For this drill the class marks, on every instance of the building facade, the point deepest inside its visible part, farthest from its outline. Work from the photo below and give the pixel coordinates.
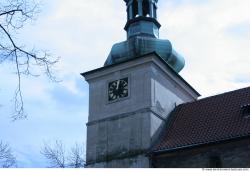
(142, 113)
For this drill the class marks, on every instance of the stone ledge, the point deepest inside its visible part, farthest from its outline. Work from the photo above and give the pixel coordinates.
(124, 115)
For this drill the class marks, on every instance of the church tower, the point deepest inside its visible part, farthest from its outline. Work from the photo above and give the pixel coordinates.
(132, 95)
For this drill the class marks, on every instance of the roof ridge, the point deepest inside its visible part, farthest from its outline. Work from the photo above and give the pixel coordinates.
(213, 96)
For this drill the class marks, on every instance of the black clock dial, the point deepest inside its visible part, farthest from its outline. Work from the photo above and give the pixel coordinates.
(118, 89)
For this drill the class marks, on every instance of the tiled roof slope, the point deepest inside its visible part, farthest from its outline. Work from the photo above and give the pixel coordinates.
(207, 120)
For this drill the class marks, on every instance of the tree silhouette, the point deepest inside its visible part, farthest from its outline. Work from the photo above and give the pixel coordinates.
(58, 158)
(14, 14)
(7, 159)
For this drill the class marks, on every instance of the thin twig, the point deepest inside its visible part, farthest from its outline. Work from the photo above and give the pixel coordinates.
(17, 54)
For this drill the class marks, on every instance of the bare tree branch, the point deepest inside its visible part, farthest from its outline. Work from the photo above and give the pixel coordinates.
(55, 155)
(7, 159)
(59, 159)
(11, 12)
(76, 158)
(13, 15)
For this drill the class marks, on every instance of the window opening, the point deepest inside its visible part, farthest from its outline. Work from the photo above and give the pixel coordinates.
(145, 6)
(135, 9)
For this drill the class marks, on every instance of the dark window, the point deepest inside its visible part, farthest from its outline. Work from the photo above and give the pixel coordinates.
(145, 6)
(135, 8)
(246, 110)
(215, 162)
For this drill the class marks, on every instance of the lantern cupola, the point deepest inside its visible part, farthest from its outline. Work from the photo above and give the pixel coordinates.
(142, 30)
(142, 18)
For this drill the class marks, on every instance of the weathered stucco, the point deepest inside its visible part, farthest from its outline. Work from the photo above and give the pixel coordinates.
(119, 134)
(231, 154)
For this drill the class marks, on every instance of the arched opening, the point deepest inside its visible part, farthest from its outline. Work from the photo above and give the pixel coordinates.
(145, 8)
(135, 8)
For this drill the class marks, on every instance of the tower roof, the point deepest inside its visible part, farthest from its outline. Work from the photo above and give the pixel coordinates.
(142, 30)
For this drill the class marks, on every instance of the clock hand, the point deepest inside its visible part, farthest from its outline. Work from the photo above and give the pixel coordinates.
(117, 86)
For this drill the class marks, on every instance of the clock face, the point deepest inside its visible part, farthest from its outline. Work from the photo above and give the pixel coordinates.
(118, 89)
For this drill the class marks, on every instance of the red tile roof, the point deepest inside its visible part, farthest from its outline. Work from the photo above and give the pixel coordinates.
(207, 120)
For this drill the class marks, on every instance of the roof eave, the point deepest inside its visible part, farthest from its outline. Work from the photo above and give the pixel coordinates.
(151, 53)
(169, 150)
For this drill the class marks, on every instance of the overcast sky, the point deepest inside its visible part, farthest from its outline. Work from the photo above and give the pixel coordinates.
(212, 35)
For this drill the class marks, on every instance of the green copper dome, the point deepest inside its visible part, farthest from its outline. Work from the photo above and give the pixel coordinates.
(143, 37)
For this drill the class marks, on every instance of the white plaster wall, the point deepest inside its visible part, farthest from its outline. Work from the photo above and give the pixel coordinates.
(139, 97)
(131, 125)
(118, 137)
